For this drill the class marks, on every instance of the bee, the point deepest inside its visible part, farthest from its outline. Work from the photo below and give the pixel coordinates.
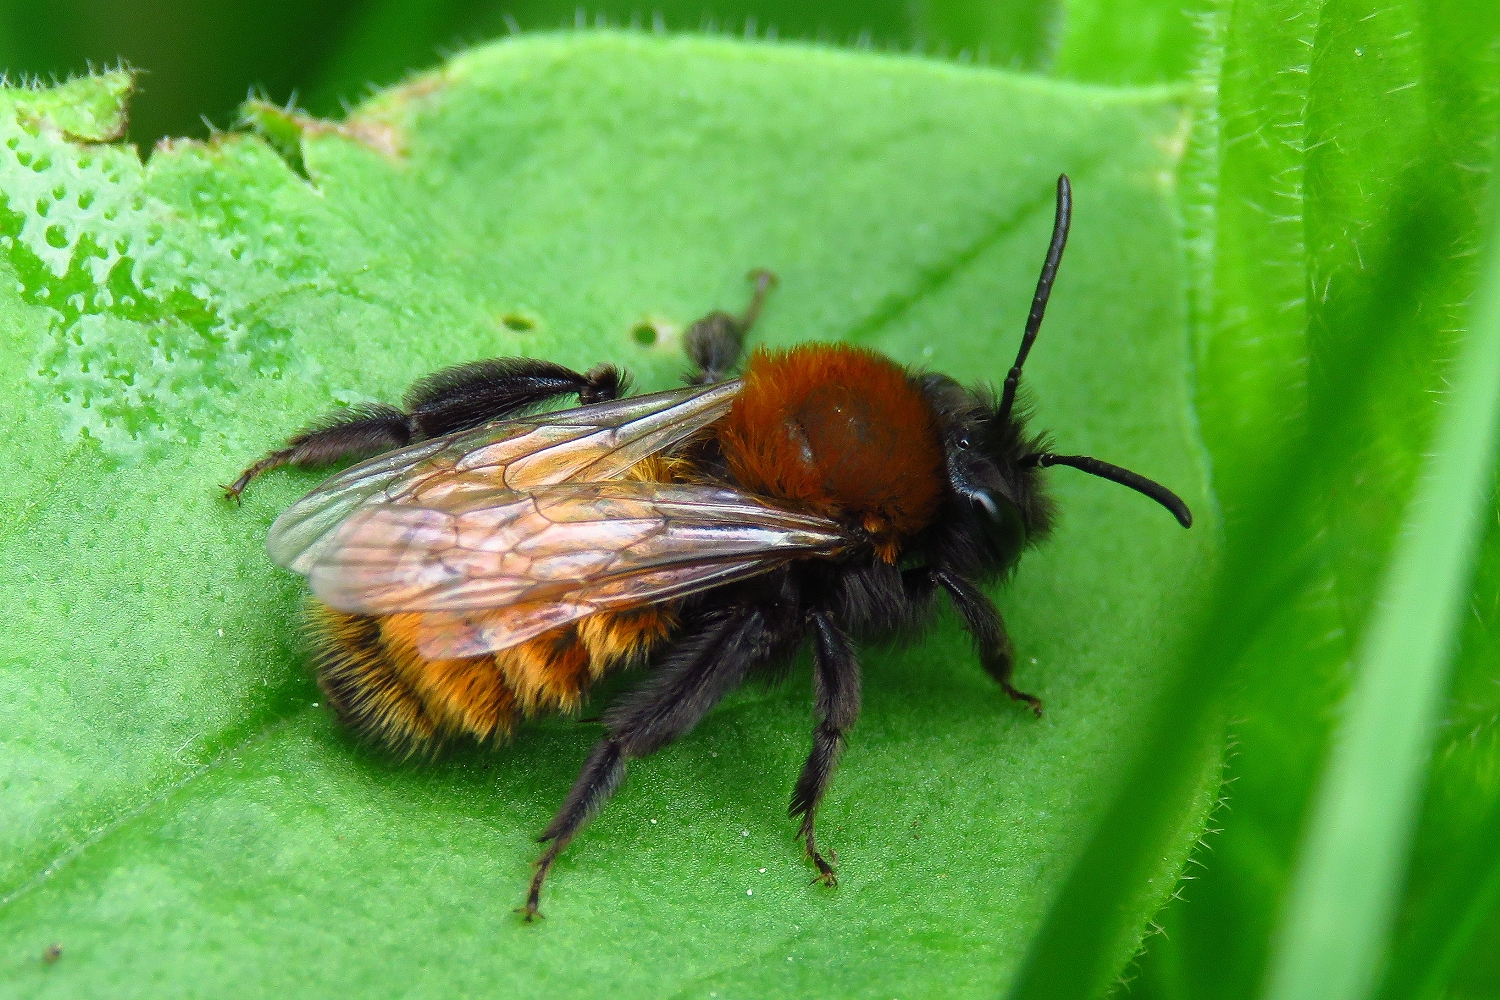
(490, 563)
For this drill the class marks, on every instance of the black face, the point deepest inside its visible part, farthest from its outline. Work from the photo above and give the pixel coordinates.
(997, 504)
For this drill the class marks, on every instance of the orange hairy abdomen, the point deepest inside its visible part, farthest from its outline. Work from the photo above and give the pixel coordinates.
(373, 675)
(842, 431)
(371, 670)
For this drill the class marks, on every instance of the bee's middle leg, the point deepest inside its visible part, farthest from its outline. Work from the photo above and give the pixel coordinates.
(996, 653)
(836, 694)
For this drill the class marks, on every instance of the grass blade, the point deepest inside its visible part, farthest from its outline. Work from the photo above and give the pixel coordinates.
(1349, 874)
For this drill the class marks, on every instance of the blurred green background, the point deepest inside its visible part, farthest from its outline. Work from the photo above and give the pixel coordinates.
(202, 58)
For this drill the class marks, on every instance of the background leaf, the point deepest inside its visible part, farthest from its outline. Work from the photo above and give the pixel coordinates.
(1130, 41)
(203, 55)
(170, 776)
(1341, 910)
(1354, 146)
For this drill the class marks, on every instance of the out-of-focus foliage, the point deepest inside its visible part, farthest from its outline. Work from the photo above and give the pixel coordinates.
(198, 57)
(201, 56)
(1347, 156)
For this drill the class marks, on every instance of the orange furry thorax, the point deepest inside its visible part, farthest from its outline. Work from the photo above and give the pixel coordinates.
(842, 431)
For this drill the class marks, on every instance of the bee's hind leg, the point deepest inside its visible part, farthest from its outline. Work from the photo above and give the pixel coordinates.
(714, 342)
(454, 399)
(836, 693)
(468, 395)
(700, 670)
(360, 432)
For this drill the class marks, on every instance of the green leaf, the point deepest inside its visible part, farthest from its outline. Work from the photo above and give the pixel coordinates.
(178, 807)
(1346, 887)
(1354, 144)
(391, 37)
(1130, 41)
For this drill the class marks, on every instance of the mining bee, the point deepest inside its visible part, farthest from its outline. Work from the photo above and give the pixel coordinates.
(491, 563)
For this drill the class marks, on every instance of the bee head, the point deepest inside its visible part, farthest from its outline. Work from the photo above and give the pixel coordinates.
(997, 502)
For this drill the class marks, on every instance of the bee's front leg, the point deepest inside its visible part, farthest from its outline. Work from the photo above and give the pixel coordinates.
(996, 653)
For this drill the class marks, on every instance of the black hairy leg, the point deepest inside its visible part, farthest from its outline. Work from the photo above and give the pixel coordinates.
(996, 654)
(836, 699)
(450, 400)
(465, 396)
(363, 431)
(698, 671)
(714, 342)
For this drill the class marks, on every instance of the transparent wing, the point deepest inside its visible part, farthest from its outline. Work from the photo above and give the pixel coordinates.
(587, 444)
(452, 634)
(492, 567)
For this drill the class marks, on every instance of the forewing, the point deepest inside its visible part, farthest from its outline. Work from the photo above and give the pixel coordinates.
(451, 634)
(492, 567)
(476, 547)
(586, 444)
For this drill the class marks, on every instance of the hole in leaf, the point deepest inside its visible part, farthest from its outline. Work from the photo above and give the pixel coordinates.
(654, 331)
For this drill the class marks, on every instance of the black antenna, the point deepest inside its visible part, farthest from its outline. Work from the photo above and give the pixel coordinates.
(1043, 290)
(1147, 487)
